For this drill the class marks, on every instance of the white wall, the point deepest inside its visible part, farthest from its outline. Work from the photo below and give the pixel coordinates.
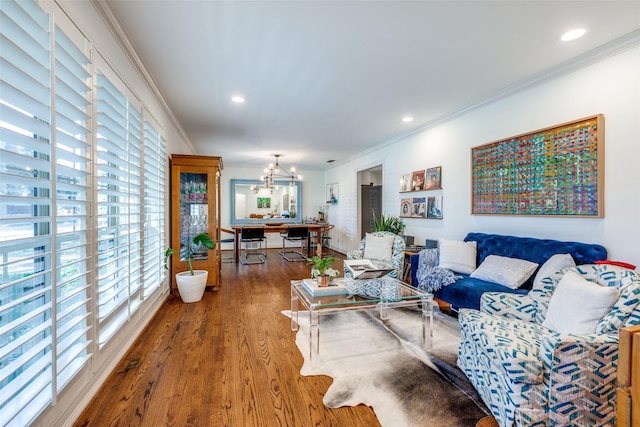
(610, 87)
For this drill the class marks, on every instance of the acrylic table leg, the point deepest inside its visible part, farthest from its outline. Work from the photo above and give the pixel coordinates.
(294, 310)
(427, 324)
(314, 333)
(384, 310)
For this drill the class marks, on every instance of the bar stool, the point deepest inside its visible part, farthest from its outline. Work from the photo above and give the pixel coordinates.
(251, 238)
(294, 234)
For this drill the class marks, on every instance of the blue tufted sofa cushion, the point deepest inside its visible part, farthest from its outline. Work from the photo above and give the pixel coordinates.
(466, 292)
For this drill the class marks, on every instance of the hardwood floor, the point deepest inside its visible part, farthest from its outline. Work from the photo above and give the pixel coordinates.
(228, 360)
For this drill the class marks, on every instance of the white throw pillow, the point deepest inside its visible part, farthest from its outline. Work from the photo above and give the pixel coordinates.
(577, 305)
(378, 247)
(555, 263)
(505, 271)
(457, 256)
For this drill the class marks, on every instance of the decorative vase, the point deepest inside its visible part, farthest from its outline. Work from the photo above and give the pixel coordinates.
(323, 281)
(191, 287)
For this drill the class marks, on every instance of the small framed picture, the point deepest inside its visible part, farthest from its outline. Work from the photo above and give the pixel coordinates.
(434, 207)
(433, 178)
(406, 206)
(417, 181)
(332, 193)
(418, 207)
(405, 183)
(264, 202)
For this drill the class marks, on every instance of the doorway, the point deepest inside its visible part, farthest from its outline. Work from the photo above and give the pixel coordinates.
(369, 198)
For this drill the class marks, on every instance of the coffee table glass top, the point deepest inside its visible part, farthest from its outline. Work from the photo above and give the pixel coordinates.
(362, 293)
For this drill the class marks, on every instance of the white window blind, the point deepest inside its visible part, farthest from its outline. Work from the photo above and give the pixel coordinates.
(65, 177)
(112, 158)
(72, 232)
(154, 208)
(26, 324)
(135, 208)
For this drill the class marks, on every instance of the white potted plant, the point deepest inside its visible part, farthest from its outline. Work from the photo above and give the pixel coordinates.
(321, 269)
(192, 283)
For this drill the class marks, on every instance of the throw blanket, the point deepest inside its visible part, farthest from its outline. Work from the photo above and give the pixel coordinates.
(431, 277)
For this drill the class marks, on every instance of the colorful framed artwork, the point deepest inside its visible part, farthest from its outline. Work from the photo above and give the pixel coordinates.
(434, 207)
(433, 178)
(332, 193)
(264, 202)
(417, 181)
(555, 171)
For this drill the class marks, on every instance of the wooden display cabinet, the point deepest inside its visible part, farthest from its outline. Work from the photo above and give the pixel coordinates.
(195, 209)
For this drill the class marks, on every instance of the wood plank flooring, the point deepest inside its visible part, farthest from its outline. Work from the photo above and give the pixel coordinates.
(228, 360)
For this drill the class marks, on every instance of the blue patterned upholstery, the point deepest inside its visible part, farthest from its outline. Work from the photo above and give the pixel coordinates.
(529, 375)
(397, 256)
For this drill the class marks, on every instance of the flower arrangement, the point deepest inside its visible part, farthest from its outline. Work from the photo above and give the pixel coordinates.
(322, 266)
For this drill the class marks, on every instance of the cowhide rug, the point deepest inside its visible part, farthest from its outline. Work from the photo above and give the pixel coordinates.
(380, 364)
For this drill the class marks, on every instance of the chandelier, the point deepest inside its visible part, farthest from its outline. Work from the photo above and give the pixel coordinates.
(273, 172)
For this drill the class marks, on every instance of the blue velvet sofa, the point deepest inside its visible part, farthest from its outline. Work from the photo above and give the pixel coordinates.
(466, 292)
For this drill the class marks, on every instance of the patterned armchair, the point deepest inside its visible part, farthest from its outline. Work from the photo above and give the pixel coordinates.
(529, 375)
(397, 255)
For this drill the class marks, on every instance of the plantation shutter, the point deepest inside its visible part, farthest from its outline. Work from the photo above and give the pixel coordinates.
(112, 141)
(73, 196)
(26, 323)
(154, 208)
(135, 209)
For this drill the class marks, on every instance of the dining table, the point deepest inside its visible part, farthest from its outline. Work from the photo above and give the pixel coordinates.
(270, 227)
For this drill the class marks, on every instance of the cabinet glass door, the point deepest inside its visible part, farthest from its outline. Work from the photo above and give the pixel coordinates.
(194, 209)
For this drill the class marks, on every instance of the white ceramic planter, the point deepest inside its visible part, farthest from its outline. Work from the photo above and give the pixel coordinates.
(192, 288)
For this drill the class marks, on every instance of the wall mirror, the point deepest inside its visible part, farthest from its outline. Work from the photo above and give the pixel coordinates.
(251, 203)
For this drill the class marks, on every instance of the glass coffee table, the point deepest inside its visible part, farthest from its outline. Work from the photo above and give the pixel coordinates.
(382, 294)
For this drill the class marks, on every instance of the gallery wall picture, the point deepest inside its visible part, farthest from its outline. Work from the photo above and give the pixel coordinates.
(405, 183)
(434, 207)
(332, 193)
(406, 207)
(555, 171)
(417, 181)
(433, 178)
(418, 207)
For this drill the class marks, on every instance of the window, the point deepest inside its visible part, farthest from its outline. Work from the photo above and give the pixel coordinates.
(81, 236)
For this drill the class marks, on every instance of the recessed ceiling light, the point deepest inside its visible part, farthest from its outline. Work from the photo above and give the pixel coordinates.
(573, 34)
(407, 119)
(238, 99)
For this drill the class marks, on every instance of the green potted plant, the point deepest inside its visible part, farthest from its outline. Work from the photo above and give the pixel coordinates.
(321, 269)
(192, 283)
(389, 223)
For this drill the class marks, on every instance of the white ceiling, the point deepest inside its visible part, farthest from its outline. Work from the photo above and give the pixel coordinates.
(328, 79)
